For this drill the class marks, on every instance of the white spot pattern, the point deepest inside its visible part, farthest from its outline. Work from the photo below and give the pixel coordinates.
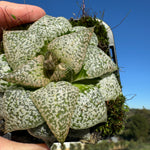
(56, 103)
(90, 109)
(109, 87)
(19, 111)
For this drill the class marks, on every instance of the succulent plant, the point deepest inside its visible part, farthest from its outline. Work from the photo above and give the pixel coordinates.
(54, 78)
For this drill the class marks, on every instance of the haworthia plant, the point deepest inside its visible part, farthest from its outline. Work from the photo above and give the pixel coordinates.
(94, 39)
(109, 87)
(48, 27)
(19, 111)
(55, 78)
(1, 105)
(21, 46)
(71, 49)
(90, 109)
(43, 132)
(96, 64)
(56, 103)
(4, 70)
(30, 74)
(62, 71)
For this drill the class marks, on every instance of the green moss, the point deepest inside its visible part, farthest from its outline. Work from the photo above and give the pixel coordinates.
(116, 111)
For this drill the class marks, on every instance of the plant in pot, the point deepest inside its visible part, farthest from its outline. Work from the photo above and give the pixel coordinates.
(56, 83)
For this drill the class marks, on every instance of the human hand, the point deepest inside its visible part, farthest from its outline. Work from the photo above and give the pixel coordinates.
(10, 145)
(11, 15)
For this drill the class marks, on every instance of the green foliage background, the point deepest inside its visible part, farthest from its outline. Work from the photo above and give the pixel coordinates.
(138, 125)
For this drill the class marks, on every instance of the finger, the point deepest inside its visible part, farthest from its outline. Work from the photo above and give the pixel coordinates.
(13, 14)
(10, 145)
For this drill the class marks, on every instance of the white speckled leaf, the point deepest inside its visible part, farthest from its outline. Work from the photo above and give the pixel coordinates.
(90, 109)
(94, 39)
(49, 27)
(71, 48)
(96, 64)
(21, 46)
(56, 104)
(30, 74)
(1, 106)
(19, 111)
(4, 70)
(43, 132)
(109, 87)
(4, 67)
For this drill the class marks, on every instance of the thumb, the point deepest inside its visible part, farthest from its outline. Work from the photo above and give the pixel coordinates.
(12, 14)
(10, 145)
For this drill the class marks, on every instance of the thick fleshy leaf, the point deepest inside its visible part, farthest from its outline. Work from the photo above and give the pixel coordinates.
(30, 74)
(43, 132)
(19, 111)
(1, 106)
(21, 46)
(96, 64)
(90, 109)
(109, 87)
(4, 70)
(94, 39)
(56, 104)
(4, 67)
(71, 48)
(49, 27)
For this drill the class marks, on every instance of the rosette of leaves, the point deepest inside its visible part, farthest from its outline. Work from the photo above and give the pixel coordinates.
(56, 79)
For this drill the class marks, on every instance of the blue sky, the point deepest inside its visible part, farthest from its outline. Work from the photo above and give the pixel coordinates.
(132, 39)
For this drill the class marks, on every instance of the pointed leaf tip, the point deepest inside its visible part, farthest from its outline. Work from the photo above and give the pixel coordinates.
(56, 104)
